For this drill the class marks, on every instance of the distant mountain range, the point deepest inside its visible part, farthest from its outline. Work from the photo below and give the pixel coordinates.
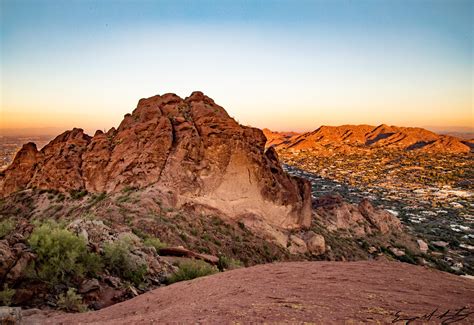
(354, 138)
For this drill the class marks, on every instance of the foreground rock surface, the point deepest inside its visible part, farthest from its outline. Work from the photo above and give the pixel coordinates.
(318, 292)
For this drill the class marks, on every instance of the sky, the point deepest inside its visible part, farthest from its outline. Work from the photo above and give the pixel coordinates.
(285, 65)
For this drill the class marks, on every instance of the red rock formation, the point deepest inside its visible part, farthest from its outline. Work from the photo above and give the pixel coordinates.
(362, 219)
(351, 138)
(277, 138)
(188, 146)
(18, 175)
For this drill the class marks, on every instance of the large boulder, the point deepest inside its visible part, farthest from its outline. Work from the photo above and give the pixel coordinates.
(316, 243)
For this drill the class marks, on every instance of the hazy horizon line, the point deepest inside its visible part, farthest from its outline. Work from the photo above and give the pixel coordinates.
(53, 130)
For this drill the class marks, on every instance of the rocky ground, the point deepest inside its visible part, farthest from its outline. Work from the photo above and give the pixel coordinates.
(137, 232)
(298, 292)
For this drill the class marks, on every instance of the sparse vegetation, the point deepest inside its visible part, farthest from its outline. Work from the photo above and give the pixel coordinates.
(6, 226)
(154, 242)
(6, 296)
(228, 263)
(61, 255)
(129, 189)
(190, 270)
(78, 194)
(119, 260)
(71, 301)
(96, 198)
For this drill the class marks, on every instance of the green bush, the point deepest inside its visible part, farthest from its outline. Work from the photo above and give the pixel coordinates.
(129, 189)
(227, 263)
(190, 270)
(6, 227)
(61, 255)
(78, 194)
(118, 259)
(71, 301)
(6, 296)
(154, 242)
(96, 198)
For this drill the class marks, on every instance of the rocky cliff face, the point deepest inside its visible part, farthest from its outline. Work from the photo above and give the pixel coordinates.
(190, 147)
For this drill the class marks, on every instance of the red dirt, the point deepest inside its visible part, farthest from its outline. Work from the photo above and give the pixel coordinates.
(320, 292)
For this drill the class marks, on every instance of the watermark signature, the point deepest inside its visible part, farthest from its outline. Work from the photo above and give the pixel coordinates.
(449, 316)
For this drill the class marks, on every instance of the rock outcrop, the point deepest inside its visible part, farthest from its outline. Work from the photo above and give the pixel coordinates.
(190, 147)
(362, 219)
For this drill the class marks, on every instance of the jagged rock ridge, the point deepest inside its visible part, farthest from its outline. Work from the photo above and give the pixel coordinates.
(189, 146)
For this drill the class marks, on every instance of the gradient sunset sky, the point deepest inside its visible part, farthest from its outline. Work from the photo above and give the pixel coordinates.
(286, 65)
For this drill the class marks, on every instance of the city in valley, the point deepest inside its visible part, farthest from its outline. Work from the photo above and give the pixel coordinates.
(432, 193)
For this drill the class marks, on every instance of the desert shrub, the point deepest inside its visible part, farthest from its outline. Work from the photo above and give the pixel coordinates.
(93, 264)
(6, 227)
(61, 255)
(154, 242)
(129, 189)
(407, 258)
(71, 301)
(6, 296)
(118, 259)
(96, 198)
(183, 237)
(78, 194)
(190, 270)
(228, 263)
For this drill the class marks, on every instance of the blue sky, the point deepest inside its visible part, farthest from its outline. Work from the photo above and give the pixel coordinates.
(279, 64)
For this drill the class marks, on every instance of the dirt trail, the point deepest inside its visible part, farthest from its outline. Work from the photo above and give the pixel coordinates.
(318, 292)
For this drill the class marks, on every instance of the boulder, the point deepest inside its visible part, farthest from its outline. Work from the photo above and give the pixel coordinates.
(422, 245)
(13, 260)
(397, 252)
(297, 245)
(316, 243)
(89, 285)
(440, 244)
(10, 315)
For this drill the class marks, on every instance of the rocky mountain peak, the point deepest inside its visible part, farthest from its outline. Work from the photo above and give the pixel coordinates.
(190, 147)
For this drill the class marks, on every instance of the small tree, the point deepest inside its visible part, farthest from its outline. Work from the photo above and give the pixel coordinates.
(61, 255)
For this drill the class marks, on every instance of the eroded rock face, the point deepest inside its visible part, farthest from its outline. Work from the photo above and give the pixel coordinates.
(190, 146)
(361, 219)
(14, 253)
(19, 174)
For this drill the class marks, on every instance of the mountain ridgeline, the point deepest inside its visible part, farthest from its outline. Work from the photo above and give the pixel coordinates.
(349, 139)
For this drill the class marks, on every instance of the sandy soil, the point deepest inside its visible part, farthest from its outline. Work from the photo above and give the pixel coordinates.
(316, 292)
